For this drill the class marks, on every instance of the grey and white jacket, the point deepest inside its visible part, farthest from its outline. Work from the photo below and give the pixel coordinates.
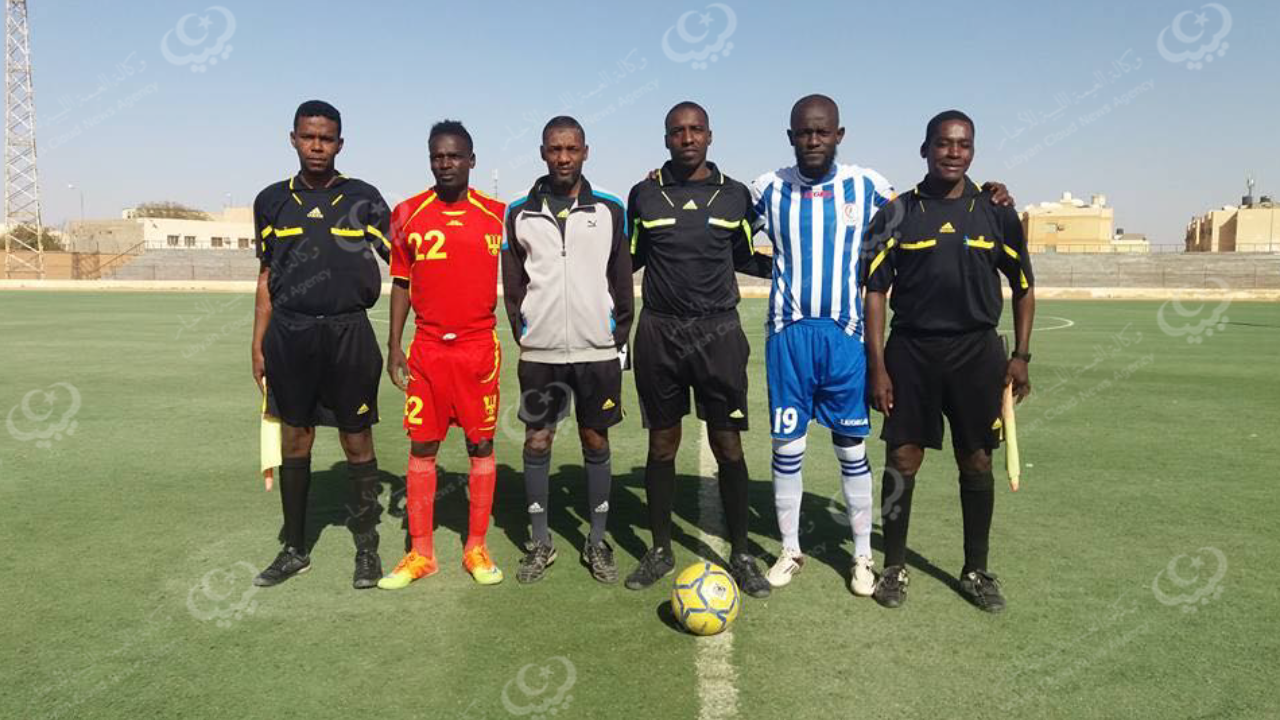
(568, 294)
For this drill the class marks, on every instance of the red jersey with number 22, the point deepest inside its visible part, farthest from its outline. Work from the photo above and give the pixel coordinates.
(449, 254)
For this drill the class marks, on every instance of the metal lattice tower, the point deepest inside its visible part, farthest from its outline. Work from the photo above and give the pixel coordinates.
(23, 230)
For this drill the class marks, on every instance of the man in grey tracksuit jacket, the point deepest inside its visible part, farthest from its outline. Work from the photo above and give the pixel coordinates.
(566, 274)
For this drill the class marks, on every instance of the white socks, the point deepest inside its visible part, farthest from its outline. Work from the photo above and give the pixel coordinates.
(788, 488)
(855, 480)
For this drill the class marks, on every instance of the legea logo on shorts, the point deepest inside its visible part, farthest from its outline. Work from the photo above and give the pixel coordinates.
(856, 422)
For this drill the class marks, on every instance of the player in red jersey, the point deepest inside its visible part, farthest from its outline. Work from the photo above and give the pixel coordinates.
(444, 262)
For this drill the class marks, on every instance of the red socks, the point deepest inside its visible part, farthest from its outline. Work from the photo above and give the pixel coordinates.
(420, 499)
(483, 477)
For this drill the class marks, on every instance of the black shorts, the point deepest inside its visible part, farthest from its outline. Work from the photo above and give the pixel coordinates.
(322, 371)
(545, 390)
(708, 355)
(959, 376)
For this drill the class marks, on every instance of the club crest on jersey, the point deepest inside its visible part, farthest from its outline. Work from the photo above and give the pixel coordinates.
(850, 212)
(494, 241)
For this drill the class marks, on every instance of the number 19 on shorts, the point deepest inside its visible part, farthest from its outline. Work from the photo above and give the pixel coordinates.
(784, 420)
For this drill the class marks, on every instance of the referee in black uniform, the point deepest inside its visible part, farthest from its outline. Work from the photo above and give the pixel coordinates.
(690, 231)
(312, 341)
(940, 247)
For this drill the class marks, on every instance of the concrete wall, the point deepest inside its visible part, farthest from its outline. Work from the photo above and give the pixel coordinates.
(197, 265)
(1191, 270)
(71, 265)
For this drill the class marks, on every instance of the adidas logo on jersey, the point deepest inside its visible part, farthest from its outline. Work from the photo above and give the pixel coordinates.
(563, 213)
(691, 205)
(364, 408)
(602, 507)
(535, 509)
(737, 415)
(315, 213)
(609, 404)
(946, 228)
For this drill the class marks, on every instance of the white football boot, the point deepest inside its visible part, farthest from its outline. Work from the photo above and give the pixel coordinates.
(789, 563)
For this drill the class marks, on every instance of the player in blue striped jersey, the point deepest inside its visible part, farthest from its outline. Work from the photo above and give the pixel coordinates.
(814, 213)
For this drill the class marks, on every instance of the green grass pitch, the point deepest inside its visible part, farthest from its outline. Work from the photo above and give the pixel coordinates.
(1139, 558)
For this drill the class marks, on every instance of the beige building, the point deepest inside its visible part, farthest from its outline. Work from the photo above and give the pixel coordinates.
(232, 228)
(1252, 227)
(1071, 225)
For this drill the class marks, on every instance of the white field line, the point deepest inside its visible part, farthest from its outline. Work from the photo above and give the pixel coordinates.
(717, 679)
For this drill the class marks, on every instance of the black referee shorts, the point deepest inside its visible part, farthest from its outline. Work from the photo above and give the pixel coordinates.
(322, 370)
(957, 376)
(547, 388)
(708, 355)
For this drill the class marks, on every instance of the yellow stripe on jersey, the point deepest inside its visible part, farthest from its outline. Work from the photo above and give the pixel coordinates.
(266, 232)
(660, 222)
(288, 232)
(720, 222)
(337, 199)
(979, 243)
(378, 234)
(421, 207)
(921, 245)
(484, 209)
(347, 232)
(881, 255)
(635, 235)
(746, 230)
(1011, 253)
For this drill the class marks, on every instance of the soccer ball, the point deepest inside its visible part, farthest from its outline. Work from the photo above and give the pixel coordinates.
(705, 599)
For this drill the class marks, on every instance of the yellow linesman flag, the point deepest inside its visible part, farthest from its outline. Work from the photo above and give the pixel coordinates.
(270, 443)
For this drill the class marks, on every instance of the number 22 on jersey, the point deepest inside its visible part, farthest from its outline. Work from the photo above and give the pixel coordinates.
(435, 239)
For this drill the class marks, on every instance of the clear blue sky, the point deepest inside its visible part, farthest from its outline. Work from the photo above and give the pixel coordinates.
(1074, 97)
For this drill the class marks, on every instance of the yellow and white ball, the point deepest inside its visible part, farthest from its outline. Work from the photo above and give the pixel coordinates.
(705, 599)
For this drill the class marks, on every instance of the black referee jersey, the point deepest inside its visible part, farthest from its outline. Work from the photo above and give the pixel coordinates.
(941, 257)
(317, 244)
(691, 236)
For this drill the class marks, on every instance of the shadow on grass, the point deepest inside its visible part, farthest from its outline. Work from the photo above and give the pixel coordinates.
(329, 502)
(667, 616)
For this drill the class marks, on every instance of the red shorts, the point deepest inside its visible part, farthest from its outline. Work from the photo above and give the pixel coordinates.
(453, 383)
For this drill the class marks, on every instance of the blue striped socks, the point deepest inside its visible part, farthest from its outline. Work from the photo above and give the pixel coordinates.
(855, 480)
(788, 489)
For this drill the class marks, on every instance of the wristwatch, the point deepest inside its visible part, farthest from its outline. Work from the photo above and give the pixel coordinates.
(1024, 357)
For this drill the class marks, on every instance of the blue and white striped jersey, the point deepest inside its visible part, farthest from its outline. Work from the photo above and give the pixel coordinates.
(816, 229)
